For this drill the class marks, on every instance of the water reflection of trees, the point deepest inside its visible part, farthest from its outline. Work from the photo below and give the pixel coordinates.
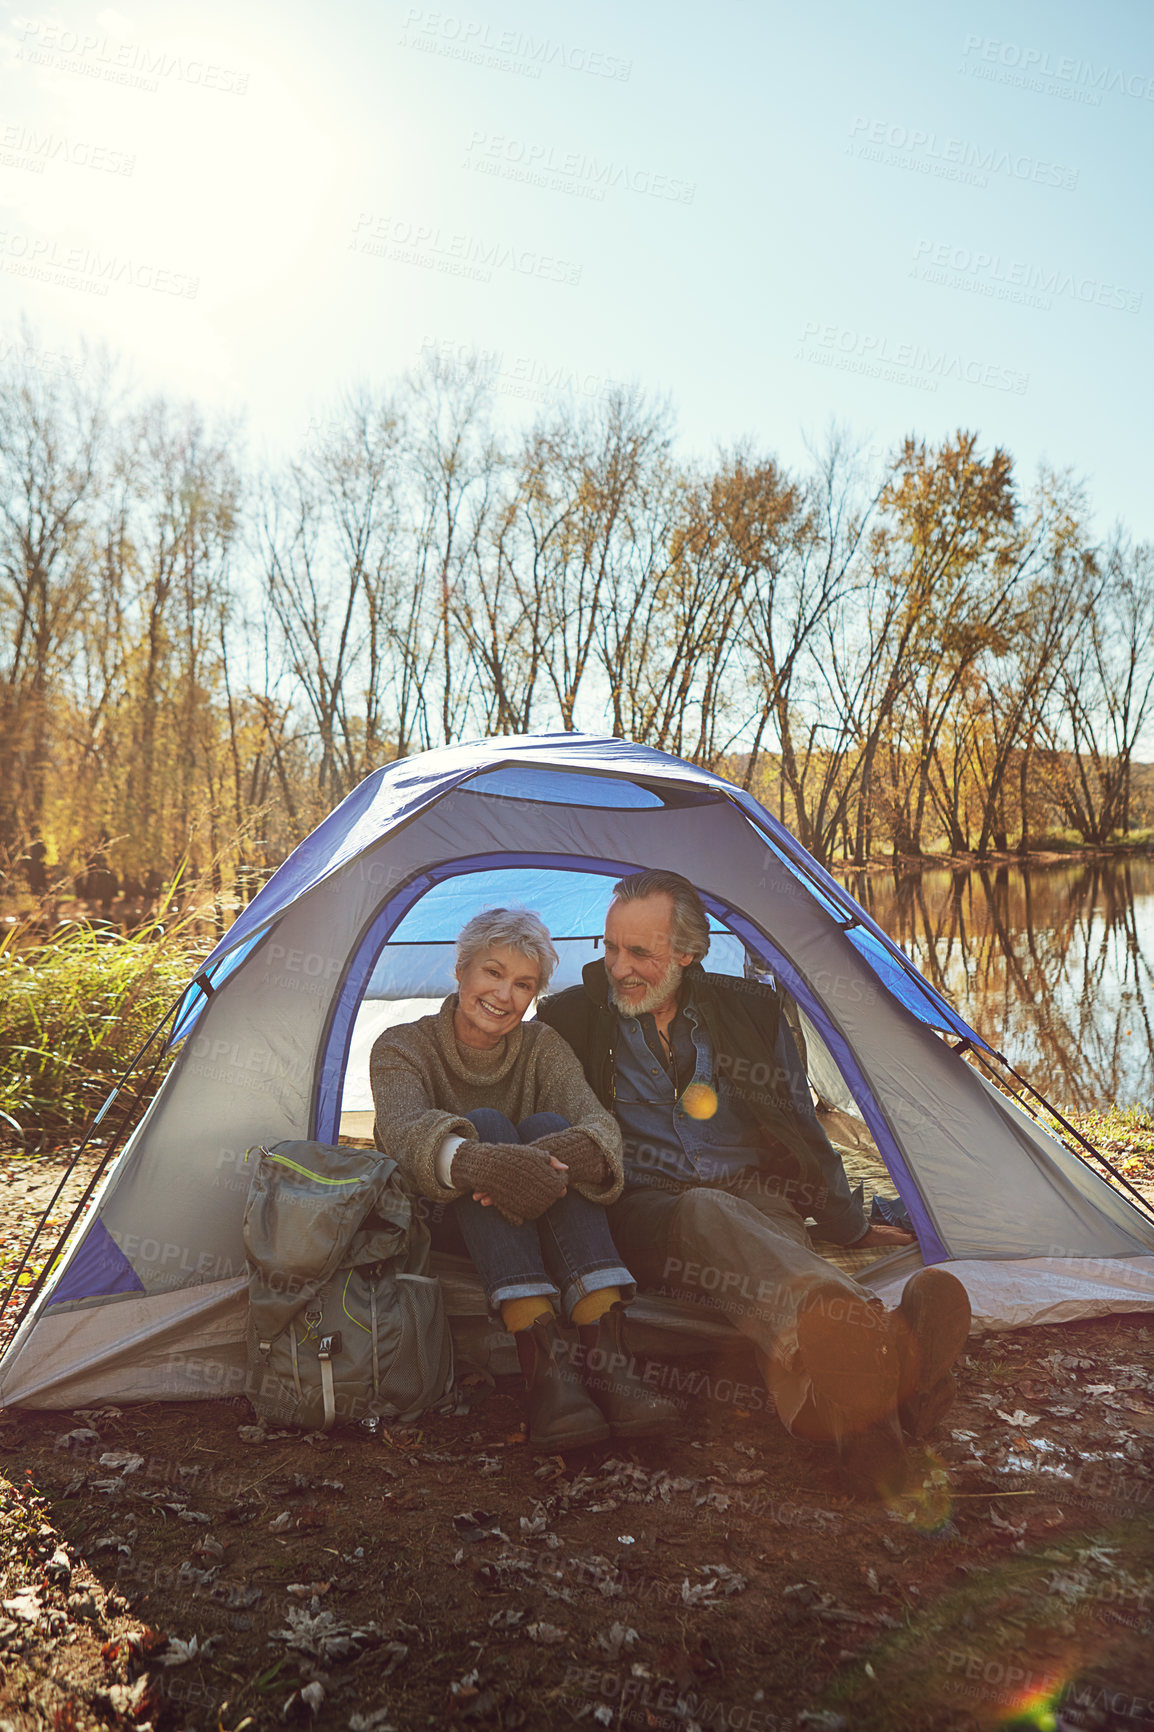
(1054, 966)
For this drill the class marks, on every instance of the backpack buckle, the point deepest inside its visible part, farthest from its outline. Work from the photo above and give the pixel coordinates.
(328, 1345)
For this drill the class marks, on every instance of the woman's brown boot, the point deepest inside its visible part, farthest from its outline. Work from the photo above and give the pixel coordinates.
(561, 1414)
(632, 1408)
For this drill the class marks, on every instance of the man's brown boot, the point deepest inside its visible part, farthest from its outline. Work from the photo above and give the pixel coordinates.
(850, 1348)
(933, 1321)
(561, 1415)
(632, 1408)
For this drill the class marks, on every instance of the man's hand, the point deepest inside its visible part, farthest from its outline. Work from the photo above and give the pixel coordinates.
(878, 1233)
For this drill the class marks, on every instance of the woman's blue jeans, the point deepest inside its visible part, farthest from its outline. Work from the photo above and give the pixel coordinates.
(567, 1252)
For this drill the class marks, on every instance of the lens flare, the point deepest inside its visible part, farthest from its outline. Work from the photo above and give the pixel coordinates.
(700, 1101)
(1035, 1710)
(929, 1505)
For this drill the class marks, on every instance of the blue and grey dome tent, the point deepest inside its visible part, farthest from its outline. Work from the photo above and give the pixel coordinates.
(149, 1300)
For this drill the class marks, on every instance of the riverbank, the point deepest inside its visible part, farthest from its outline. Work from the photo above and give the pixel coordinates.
(130, 913)
(995, 859)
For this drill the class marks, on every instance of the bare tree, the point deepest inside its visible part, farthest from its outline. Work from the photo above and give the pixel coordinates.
(328, 551)
(452, 467)
(1020, 676)
(184, 503)
(1106, 692)
(583, 482)
(799, 547)
(52, 444)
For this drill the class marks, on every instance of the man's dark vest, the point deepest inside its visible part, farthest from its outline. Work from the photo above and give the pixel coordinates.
(754, 1055)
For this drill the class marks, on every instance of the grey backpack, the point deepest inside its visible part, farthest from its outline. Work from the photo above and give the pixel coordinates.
(343, 1322)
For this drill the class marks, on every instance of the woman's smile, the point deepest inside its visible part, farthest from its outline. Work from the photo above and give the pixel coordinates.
(494, 991)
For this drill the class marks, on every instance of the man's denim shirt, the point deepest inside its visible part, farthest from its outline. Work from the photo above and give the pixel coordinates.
(663, 1141)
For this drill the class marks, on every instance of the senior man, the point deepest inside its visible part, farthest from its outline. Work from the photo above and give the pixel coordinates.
(725, 1159)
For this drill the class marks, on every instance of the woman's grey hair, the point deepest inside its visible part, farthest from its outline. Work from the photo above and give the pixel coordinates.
(508, 929)
(690, 921)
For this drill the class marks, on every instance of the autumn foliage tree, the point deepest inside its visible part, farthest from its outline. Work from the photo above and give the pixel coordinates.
(199, 658)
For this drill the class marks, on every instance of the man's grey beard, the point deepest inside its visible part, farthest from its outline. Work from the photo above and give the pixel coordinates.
(652, 1000)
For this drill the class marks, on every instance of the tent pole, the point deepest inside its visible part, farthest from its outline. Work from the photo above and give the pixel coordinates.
(1142, 1202)
(113, 1145)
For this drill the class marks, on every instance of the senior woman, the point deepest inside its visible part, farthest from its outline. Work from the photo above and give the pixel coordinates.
(494, 1115)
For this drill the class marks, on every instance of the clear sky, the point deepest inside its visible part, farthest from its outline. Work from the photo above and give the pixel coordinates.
(907, 218)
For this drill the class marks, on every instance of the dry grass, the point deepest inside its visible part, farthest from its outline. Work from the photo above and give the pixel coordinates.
(75, 1009)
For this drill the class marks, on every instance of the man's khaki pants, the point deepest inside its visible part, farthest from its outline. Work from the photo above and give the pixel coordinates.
(742, 1249)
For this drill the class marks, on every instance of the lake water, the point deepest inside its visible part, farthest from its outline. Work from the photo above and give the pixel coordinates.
(1052, 965)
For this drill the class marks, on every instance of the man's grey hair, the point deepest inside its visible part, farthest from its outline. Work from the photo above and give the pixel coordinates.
(508, 929)
(690, 921)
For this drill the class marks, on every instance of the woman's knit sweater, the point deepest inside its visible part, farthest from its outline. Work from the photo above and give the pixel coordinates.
(423, 1083)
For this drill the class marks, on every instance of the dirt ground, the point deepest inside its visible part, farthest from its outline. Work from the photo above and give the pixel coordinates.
(175, 1566)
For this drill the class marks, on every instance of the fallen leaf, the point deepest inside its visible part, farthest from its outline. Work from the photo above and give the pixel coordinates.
(1019, 1418)
(128, 1700)
(81, 1435)
(145, 1643)
(1017, 1529)
(179, 1653)
(23, 1605)
(509, 1619)
(111, 1543)
(58, 1569)
(323, 1635)
(310, 1696)
(125, 1459)
(377, 1721)
(547, 1635)
(235, 1595)
(618, 1636)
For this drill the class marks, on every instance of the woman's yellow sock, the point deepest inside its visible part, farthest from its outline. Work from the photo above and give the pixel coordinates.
(518, 1314)
(595, 1305)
